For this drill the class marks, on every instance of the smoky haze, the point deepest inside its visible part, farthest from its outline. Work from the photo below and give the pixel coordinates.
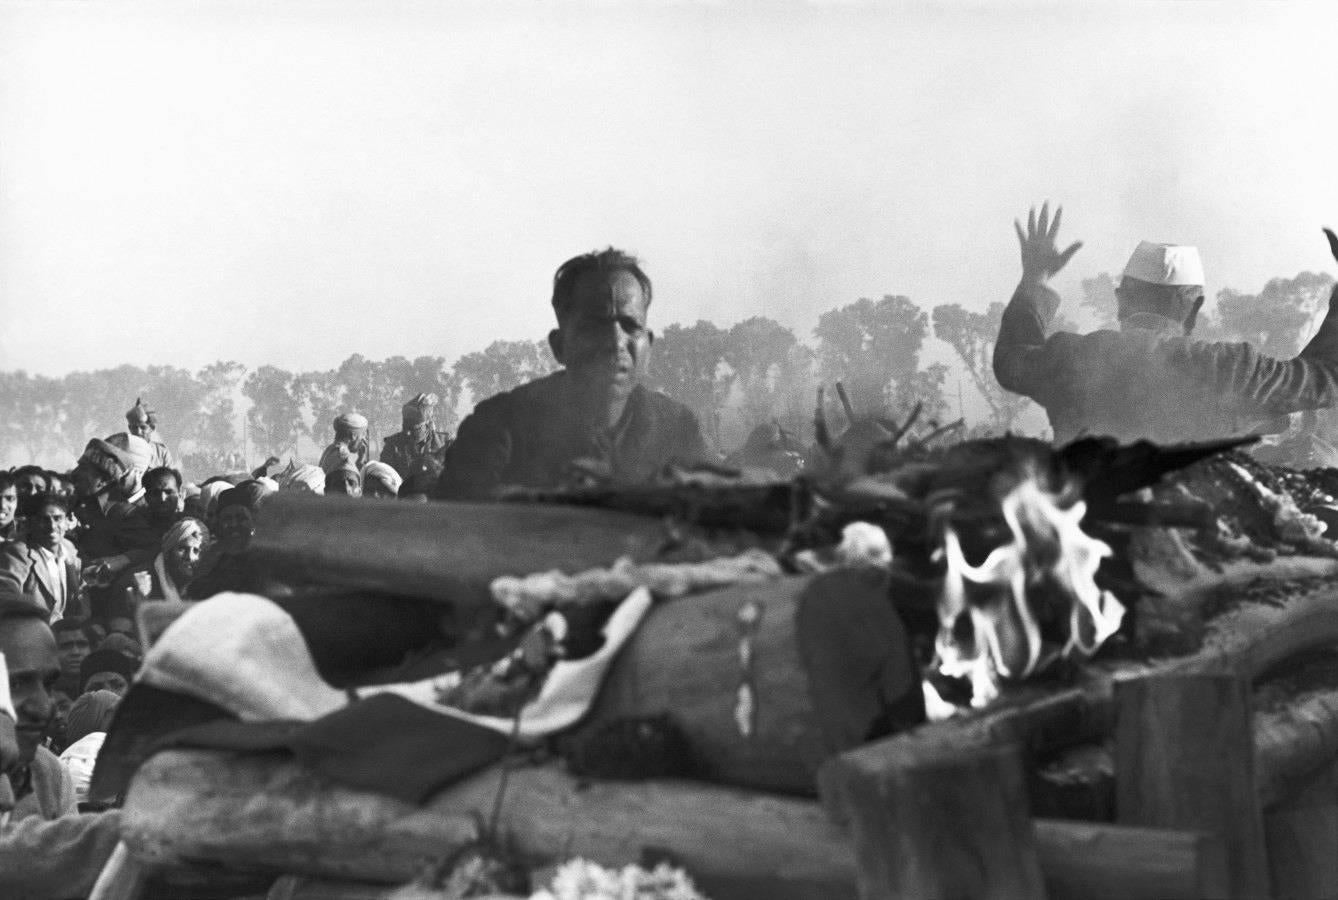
(186, 183)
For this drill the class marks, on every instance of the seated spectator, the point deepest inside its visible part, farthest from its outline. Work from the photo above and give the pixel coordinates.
(30, 482)
(424, 473)
(309, 479)
(344, 480)
(174, 566)
(9, 509)
(380, 480)
(72, 645)
(44, 565)
(85, 730)
(226, 566)
(49, 849)
(107, 670)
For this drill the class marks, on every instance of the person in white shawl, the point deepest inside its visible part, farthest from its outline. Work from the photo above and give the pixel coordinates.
(170, 574)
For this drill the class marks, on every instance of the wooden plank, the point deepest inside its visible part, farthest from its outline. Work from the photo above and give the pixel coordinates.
(944, 828)
(1097, 861)
(448, 552)
(1184, 758)
(1303, 851)
(264, 812)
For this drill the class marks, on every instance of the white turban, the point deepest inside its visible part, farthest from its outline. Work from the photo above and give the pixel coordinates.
(383, 473)
(307, 478)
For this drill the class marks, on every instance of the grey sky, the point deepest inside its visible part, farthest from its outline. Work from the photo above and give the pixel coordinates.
(294, 183)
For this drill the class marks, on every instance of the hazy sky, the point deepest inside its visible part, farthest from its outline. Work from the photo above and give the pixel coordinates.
(293, 183)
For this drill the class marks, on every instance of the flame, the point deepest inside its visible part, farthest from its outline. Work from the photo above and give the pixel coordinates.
(1050, 559)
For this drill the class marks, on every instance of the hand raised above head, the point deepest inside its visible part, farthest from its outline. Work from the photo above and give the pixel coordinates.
(1333, 242)
(1041, 256)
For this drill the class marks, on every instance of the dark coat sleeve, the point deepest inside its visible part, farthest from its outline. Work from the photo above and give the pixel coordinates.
(474, 464)
(1265, 385)
(1024, 361)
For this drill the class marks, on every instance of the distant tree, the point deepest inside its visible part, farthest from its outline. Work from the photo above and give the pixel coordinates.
(1276, 319)
(502, 366)
(972, 337)
(31, 408)
(1098, 301)
(872, 347)
(275, 416)
(215, 435)
(688, 363)
(759, 352)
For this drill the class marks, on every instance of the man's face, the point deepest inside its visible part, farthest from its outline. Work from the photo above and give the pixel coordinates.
(162, 497)
(107, 681)
(602, 338)
(183, 559)
(415, 431)
(9, 503)
(344, 481)
(34, 668)
(30, 484)
(88, 481)
(72, 647)
(48, 525)
(140, 428)
(234, 528)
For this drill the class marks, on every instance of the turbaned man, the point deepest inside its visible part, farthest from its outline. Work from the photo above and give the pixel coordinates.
(1150, 379)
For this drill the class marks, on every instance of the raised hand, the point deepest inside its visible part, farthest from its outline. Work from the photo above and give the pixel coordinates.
(1333, 242)
(1041, 256)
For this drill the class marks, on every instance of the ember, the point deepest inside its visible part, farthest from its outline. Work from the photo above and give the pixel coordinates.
(1050, 562)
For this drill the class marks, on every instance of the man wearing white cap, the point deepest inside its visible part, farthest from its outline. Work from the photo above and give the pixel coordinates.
(1150, 379)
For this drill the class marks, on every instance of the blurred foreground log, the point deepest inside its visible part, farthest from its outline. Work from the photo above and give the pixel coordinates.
(1185, 759)
(942, 828)
(449, 552)
(264, 813)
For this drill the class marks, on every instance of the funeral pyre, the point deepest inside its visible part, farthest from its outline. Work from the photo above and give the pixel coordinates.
(741, 631)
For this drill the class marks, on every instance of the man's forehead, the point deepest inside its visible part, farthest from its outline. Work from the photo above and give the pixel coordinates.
(71, 637)
(616, 293)
(28, 644)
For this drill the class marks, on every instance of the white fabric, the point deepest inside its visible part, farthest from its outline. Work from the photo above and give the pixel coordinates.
(1169, 264)
(244, 653)
(567, 692)
(170, 591)
(6, 701)
(79, 759)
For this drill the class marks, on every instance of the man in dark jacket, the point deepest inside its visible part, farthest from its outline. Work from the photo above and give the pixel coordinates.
(594, 414)
(1150, 379)
(418, 436)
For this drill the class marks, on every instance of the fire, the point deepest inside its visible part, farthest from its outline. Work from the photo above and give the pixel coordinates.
(1050, 561)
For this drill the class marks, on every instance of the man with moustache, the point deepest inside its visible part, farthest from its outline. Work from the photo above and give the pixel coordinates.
(594, 415)
(49, 849)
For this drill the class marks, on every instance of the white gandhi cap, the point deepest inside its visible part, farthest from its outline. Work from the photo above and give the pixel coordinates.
(1165, 264)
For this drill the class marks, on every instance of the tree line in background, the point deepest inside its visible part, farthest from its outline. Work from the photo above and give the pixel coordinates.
(733, 377)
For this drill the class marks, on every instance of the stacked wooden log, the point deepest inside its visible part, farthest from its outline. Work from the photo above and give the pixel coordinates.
(940, 810)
